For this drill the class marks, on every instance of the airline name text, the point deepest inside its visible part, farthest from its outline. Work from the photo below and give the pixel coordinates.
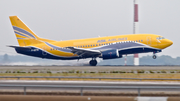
(114, 39)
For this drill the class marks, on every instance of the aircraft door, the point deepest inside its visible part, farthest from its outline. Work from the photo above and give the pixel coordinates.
(158, 42)
(148, 40)
(44, 50)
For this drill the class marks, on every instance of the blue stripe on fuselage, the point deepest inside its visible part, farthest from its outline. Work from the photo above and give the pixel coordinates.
(58, 48)
(120, 45)
(42, 54)
(138, 50)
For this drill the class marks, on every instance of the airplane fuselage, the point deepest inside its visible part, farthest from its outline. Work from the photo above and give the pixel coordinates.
(109, 47)
(125, 44)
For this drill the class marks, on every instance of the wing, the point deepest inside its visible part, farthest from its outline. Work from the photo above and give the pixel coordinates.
(85, 53)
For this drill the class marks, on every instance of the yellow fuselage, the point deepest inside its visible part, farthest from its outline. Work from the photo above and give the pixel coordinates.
(147, 39)
(106, 47)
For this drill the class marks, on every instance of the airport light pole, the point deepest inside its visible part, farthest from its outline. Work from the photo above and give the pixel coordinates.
(136, 29)
(125, 60)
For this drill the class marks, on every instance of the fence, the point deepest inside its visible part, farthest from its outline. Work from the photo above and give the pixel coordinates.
(100, 78)
(95, 87)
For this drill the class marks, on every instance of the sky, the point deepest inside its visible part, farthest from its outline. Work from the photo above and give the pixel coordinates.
(77, 19)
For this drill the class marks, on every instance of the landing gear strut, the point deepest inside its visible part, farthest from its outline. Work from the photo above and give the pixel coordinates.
(93, 62)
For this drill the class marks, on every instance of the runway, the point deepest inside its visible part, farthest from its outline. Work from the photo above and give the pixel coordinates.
(99, 68)
(89, 91)
(89, 83)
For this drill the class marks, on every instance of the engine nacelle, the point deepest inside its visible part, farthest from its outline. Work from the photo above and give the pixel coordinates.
(110, 54)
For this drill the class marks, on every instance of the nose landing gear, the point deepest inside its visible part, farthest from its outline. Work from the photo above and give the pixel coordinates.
(154, 55)
(93, 62)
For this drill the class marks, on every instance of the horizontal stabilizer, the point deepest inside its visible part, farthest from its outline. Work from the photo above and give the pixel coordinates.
(19, 47)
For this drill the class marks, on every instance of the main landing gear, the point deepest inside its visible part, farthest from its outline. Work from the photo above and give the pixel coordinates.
(93, 62)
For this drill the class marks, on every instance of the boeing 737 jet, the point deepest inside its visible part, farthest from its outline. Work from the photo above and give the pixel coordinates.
(110, 47)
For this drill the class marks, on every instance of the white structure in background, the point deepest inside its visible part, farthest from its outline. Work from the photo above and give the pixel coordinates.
(136, 29)
(125, 60)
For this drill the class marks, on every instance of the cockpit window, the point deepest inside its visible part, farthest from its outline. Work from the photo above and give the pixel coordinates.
(160, 38)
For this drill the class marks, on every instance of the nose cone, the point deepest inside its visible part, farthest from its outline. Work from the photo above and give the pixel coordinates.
(168, 42)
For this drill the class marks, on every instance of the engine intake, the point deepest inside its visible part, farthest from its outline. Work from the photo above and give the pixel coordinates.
(110, 54)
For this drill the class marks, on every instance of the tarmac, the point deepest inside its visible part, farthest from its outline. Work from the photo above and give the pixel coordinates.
(98, 68)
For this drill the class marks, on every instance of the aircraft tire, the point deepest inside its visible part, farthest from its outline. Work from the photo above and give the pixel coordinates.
(154, 56)
(93, 63)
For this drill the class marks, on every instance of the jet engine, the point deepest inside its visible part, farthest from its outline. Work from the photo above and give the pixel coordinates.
(110, 54)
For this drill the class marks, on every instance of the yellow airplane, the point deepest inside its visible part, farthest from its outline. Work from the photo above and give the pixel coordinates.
(110, 47)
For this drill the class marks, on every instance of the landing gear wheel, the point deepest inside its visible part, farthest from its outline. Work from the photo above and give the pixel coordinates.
(154, 56)
(93, 63)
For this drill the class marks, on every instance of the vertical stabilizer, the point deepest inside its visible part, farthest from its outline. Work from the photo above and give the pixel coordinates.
(24, 35)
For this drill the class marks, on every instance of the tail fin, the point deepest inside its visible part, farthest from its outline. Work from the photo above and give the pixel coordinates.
(25, 36)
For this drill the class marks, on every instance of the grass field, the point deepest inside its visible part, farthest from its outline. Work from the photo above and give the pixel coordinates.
(114, 75)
